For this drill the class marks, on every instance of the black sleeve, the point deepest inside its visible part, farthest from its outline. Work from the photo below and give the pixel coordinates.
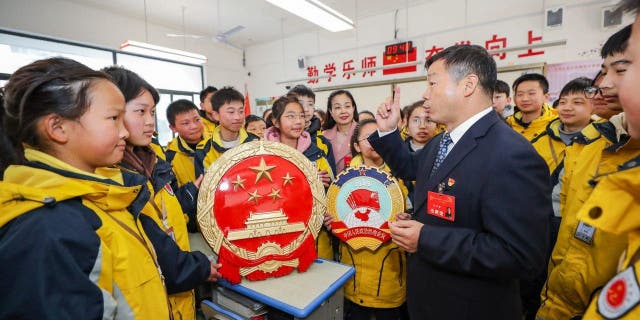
(187, 195)
(182, 270)
(50, 261)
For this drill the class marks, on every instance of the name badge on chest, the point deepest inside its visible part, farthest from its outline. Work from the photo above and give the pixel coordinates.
(441, 205)
(585, 232)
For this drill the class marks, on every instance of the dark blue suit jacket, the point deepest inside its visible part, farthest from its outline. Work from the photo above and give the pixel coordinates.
(470, 268)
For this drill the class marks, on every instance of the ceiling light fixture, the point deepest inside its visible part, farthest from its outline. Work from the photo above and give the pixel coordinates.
(162, 52)
(316, 12)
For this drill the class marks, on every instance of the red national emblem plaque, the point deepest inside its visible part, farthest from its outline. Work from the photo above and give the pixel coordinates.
(260, 209)
(362, 200)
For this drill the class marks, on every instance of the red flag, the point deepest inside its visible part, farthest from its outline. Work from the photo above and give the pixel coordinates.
(247, 101)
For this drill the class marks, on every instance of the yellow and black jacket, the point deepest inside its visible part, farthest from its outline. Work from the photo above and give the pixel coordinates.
(380, 279)
(75, 246)
(157, 148)
(166, 210)
(584, 256)
(183, 159)
(537, 126)
(208, 125)
(550, 146)
(321, 142)
(214, 148)
(618, 298)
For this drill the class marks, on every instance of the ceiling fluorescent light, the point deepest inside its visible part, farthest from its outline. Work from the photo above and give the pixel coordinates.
(162, 52)
(316, 12)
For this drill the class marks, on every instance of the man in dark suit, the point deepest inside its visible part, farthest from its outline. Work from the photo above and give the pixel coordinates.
(483, 206)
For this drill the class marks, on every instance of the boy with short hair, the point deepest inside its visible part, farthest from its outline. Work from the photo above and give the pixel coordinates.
(307, 99)
(228, 108)
(617, 299)
(185, 120)
(574, 110)
(206, 112)
(502, 99)
(585, 255)
(531, 92)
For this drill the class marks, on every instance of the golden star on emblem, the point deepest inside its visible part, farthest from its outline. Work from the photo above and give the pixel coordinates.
(254, 196)
(275, 194)
(262, 170)
(239, 182)
(287, 179)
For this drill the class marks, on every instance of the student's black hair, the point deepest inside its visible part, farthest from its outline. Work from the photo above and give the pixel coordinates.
(412, 107)
(367, 112)
(463, 60)
(206, 91)
(322, 114)
(51, 86)
(356, 133)
(617, 43)
(302, 91)
(225, 95)
(252, 118)
(629, 5)
(269, 120)
(328, 121)
(130, 83)
(178, 107)
(540, 79)
(502, 87)
(404, 113)
(277, 109)
(576, 85)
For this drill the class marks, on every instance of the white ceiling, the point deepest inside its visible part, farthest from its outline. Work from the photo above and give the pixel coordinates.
(263, 21)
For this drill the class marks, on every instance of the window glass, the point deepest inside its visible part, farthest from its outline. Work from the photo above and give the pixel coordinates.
(164, 132)
(163, 74)
(17, 51)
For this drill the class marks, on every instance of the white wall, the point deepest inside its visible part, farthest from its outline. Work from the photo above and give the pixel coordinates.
(439, 22)
(436, 22)
(86, 24)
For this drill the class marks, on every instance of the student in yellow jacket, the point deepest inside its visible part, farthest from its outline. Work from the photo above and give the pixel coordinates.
(181, 151)
(584, 258)
(76, 240)
(228, 107)
(288, 128)
(139, 157)
(531, 92)
(379, 285)
(615, 203)
(564, 136)
(618, 298)
(206, 113)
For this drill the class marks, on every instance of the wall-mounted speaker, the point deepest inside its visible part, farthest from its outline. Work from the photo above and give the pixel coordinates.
(611, 17)
(301, 62)
(554, 17)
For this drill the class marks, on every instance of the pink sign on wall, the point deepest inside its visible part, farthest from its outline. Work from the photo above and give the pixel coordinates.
(560, 73)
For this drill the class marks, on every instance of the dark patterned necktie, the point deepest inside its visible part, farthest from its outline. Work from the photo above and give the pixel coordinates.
(442, 152)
